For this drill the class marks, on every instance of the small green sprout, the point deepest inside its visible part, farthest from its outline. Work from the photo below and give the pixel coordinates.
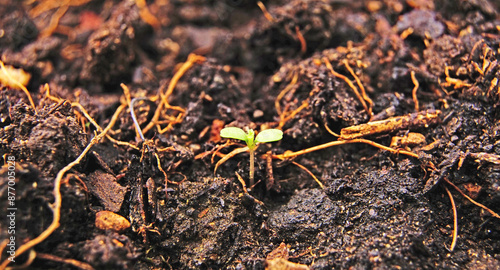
(265, 136)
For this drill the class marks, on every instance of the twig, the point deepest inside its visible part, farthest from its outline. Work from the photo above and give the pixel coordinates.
(408, 121)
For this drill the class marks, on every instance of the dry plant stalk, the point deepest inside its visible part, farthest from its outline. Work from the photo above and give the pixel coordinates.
(409, 121)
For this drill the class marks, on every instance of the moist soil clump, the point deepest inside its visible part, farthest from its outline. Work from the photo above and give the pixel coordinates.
(110, 119)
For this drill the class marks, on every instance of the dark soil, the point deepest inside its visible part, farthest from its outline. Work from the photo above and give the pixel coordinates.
(378, 209)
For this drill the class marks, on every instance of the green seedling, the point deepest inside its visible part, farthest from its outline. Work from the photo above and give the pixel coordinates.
(265, 136)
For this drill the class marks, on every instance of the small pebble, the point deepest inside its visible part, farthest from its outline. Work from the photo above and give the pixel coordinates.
(195, 147)
(107, 220)
(258, 114)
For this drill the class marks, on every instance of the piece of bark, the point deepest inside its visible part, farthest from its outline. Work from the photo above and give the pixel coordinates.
(104, 187)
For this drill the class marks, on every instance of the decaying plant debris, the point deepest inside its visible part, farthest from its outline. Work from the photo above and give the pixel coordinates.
(389, 110)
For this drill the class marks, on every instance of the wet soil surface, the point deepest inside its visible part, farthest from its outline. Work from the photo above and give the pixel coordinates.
(313, 69)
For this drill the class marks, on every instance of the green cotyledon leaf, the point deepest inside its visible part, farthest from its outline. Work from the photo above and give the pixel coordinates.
(233, 133)
(269, 135)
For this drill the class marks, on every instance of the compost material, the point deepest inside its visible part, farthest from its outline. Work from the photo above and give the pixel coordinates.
(390, 156)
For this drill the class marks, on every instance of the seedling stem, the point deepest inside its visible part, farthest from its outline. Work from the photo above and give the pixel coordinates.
(268, 135)
(252, 166)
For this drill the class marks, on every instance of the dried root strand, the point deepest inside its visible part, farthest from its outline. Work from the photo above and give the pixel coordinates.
(335, 143)
(310, 173)
(266, 13)
(164, 104)
(146, 15)
(47, 5)
(242, 182)
(284, 92)
(361, 87)
(46, 87)
(292, 114)
(302, 40)
(230, 155)
(269, 171)
(455, 220)
(349, 82)
(73, 104)
(331, 131)
(414, 91)
(165, 176)
(54, 21)
(487, 157)
(73, 262)
(470, 199)
(287, 115)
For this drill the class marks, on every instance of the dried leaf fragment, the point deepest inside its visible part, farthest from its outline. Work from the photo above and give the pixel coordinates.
(410, 139)
(14, 75)
(280, 252)
(283, 264)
